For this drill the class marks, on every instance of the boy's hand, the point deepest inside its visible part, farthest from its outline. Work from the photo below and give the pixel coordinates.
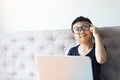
(94, 30)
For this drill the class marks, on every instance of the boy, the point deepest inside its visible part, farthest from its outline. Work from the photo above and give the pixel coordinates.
(83, 32)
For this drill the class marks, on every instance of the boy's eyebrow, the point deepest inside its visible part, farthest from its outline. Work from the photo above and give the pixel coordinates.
(76, 27)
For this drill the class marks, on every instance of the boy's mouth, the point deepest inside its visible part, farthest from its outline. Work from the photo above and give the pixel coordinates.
(83, 35)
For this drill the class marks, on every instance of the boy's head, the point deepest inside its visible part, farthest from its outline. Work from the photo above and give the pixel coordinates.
(80, 19)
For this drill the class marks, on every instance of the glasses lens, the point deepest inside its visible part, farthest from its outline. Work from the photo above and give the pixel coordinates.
(85, 27)
(77, 29)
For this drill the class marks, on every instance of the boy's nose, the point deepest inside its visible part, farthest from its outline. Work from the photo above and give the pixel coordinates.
(82, 31)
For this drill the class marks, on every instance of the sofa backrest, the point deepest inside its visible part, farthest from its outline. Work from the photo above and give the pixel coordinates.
(110, 37)
(19, 49)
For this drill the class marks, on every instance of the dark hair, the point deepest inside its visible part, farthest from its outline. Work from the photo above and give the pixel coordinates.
(79, 19)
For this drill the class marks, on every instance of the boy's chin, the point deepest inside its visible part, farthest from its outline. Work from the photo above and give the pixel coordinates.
(84, 41)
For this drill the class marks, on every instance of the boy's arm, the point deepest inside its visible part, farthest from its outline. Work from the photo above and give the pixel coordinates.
(100, 52)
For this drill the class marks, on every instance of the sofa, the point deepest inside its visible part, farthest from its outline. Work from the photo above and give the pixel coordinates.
(19, 49)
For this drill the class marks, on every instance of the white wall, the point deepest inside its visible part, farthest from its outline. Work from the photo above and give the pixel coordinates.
(25, 15)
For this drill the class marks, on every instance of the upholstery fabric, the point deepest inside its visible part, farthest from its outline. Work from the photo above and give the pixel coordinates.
(19, 49)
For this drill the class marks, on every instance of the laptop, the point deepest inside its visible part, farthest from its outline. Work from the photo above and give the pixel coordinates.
(64, 68)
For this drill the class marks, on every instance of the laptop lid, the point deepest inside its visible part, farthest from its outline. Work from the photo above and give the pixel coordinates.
(64, 68)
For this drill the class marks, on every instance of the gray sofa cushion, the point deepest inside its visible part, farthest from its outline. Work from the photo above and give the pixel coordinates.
(111, 38)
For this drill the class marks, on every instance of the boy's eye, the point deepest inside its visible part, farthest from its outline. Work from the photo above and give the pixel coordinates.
(84, 26)
(77, 29)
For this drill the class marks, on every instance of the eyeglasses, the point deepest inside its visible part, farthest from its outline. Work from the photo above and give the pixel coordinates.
(84, 27)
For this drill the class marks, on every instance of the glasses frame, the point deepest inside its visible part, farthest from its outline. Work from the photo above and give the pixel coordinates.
(82, 28)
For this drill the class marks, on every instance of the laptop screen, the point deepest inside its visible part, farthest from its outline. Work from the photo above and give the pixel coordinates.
(64, 68)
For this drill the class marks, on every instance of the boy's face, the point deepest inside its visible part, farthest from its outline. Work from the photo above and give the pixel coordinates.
(82, 32)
